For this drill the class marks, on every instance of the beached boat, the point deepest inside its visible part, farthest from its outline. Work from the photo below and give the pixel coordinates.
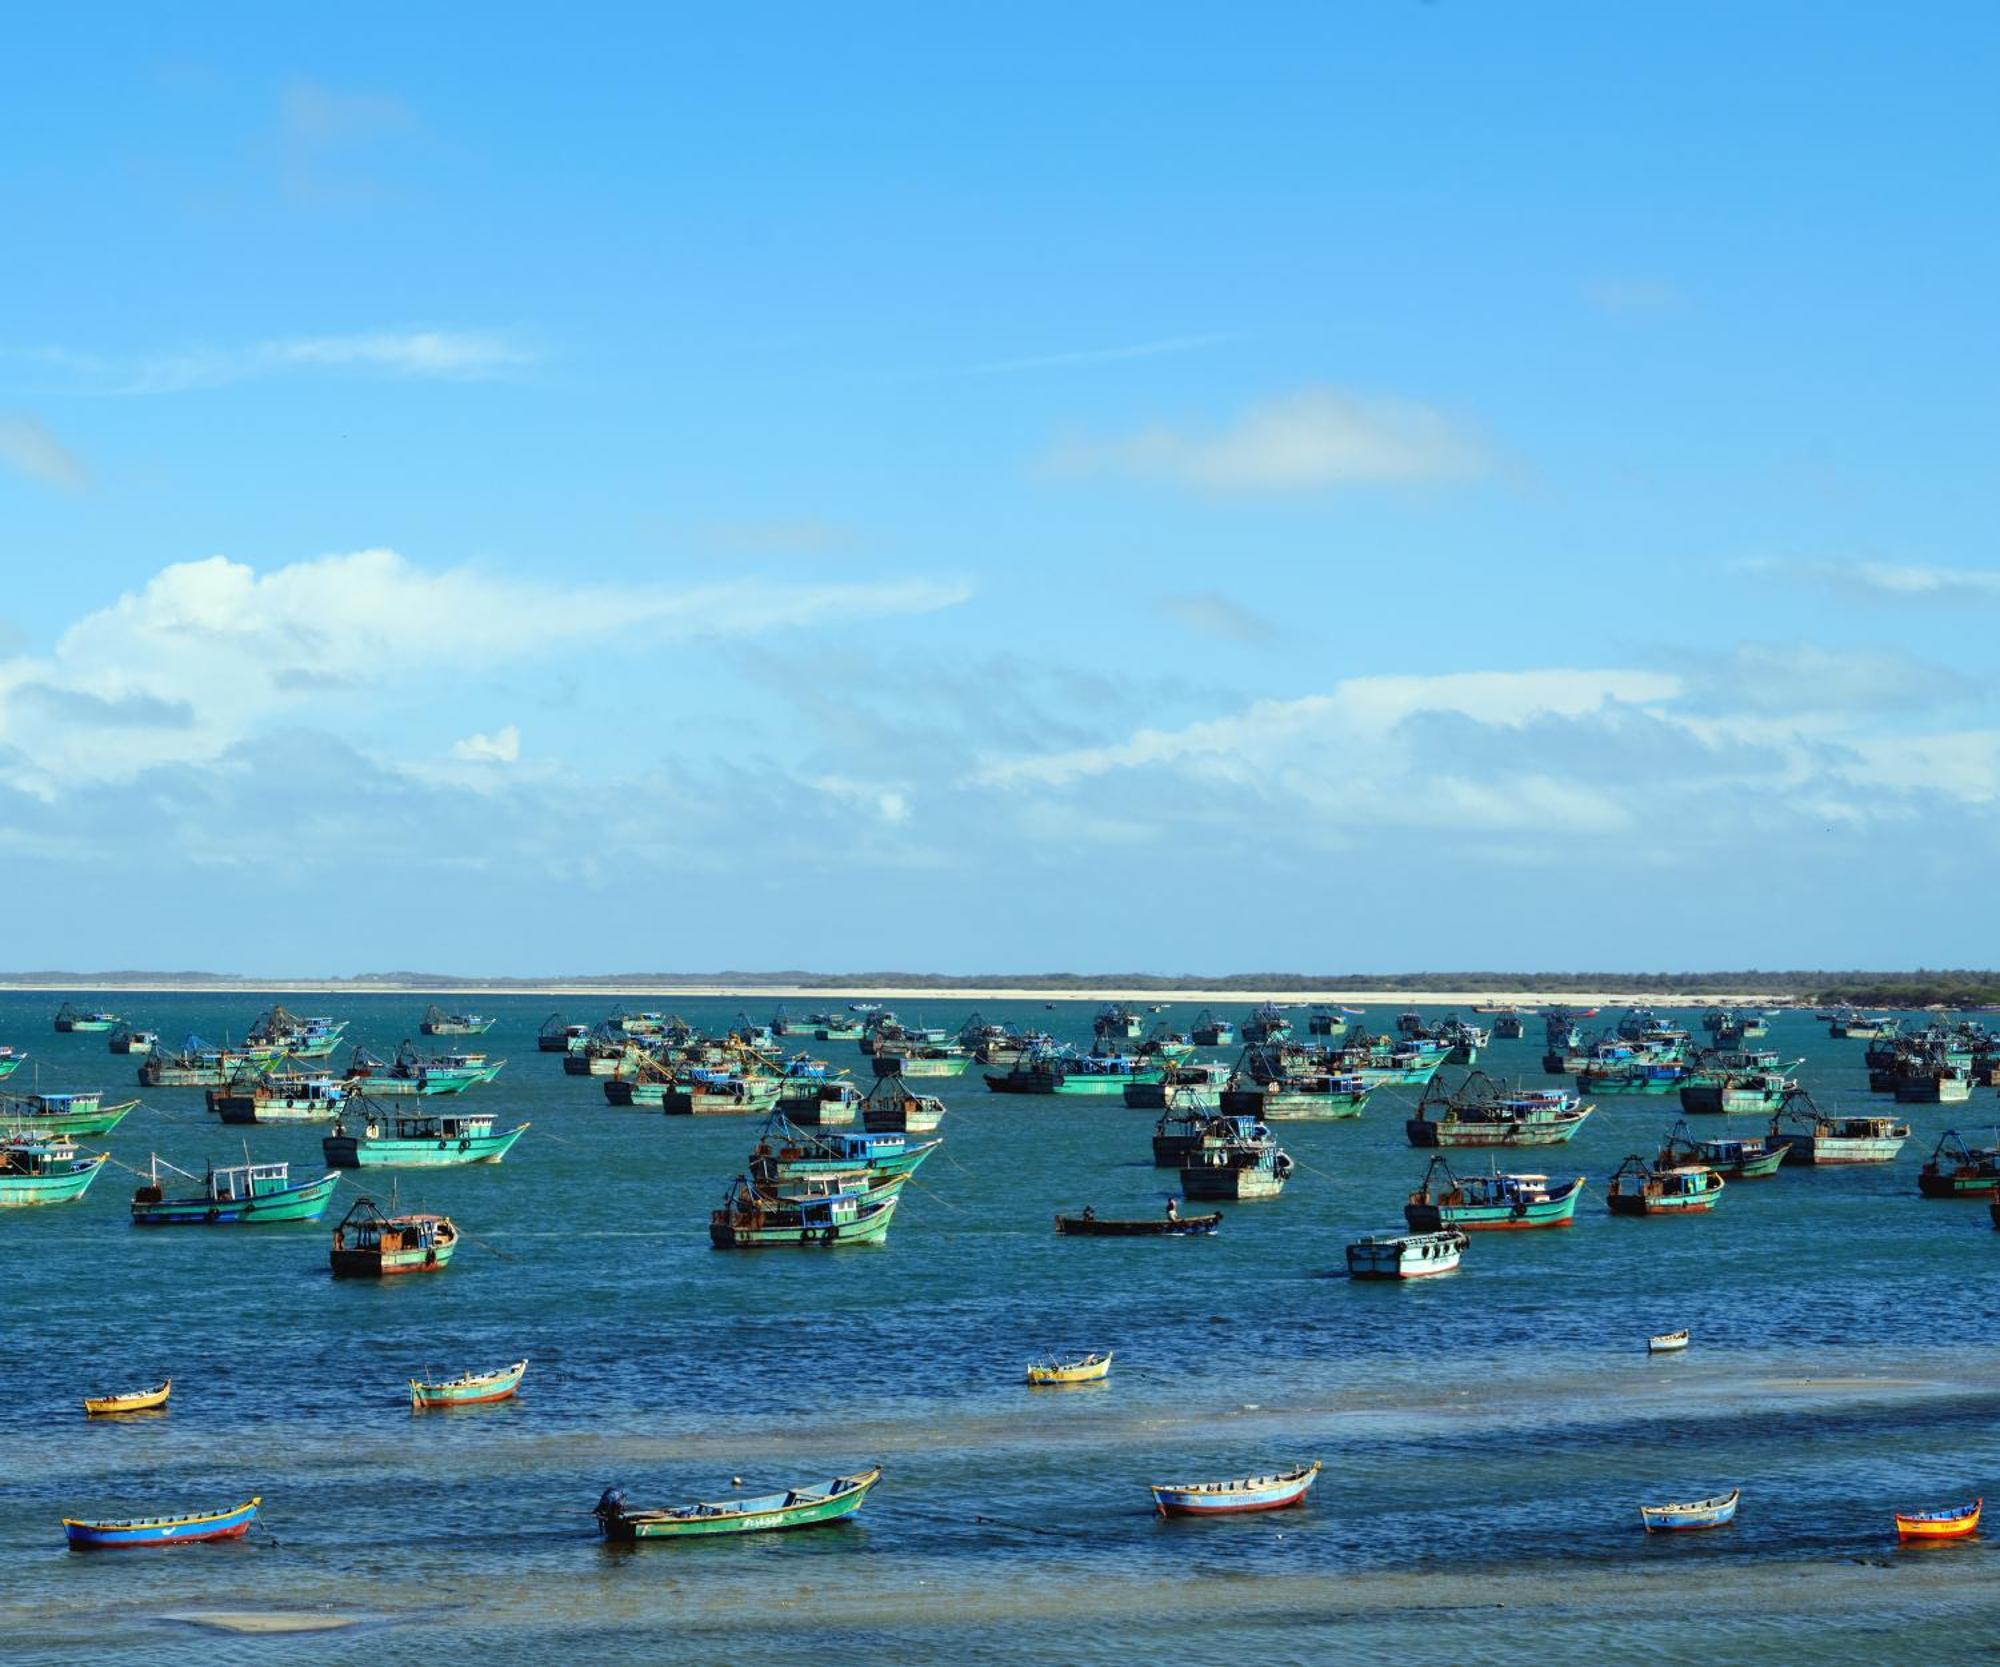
(131, 1041)
(803, 1507)
(1274, 1492)
(274, 1097)
(437, 1022)
(824, 1214)
(1956, 1170)
(88, 1534)
(1089, 1368)
(370, 1245)
(76, 1020)
(1667, 1342)
(1638, 1188)
(1088, 1224)
(366, 1138)
(1486, 1203)
(1957, 1523)
(1754, 1159)
(237, 1194)
(82, 1112)
(1482, 1112)
(132, 1400)
(468, 1389)
(1209, 1031)
(1405, 1255)
(1691, 1517)
(1816, 1137)
(1235, 1169)
(45, 1169)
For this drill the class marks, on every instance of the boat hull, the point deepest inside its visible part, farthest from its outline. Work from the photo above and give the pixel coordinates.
(1690, 1518)
(28, 1191)
(306, 1202)
(844, 1496)
(189, 1530)
(390, 1264)
(1498, 1217)
(478, 1391)
(1556, 1131)
(1263, 1493)
(397, 1152)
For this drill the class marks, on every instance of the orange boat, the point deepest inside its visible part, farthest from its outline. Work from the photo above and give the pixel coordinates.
(1939, 1525)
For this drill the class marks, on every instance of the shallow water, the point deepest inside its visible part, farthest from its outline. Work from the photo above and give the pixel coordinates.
(1487, 1436)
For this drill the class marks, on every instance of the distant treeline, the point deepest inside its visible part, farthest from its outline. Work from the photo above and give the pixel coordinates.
(1921, 988)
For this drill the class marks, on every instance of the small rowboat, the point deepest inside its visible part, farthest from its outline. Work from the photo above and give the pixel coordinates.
(807, 1507)
(1667, 1342)
(1247, 1493)
(137, 1400)
(182, 1530)
(468, 1389)
(1091, 1225)
(1939, 1525)
(1092, 1368)
(1695, 1515)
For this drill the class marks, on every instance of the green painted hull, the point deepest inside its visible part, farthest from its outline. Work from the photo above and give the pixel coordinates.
(300, 1203)
(87, 1027)
(9, 1066)
(398, 1152)
(1081, 1087)
(811, 1512)
(72, 1123)
(17, 1191)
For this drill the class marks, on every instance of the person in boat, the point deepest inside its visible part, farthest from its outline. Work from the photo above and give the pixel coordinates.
(1090, 1212)
(1173, 1209)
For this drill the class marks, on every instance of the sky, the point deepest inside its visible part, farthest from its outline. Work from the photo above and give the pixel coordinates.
(1381, 486)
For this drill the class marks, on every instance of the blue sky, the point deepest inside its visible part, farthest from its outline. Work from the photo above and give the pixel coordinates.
(1177, 488)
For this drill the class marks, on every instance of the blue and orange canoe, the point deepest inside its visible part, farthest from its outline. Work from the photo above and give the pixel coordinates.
(177, 1530)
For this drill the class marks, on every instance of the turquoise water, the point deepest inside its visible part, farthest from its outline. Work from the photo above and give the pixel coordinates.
(1487, 1436)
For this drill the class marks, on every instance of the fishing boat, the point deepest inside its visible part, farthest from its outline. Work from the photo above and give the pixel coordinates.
(437, 1022)
(702, 1091)
(891, 1108)
(1956, 1170)
(1816, 1137)
(278, 1031)
(802, 1507)
(1193, 1129)
(1274, 1492)
(1862, 1027)
(835, 1027)
(1235, 1169)
(1691, 1517)
(366, 1138)
(1956, 1523)
(1119, 1021)
(1486, 1203)
(74, 1020)
(1088, 1224)
(195, 1064)
(1272, 1092)
(787, 1153)
(1755, 1159)
(1267, 1023)
(412, 1074)
(92, 1535)
(824, 1214)
(1089, 1368)
(468, 1389)
(924, 1059)
(133, 1400)
(45, 1169)
(237, 1194)
(131, 1041)
(1482, 1112)
(1098, 1075)
(1935, 1084)
(558, 1035)
(81, 1112)
(1184, 1087)
(370, 1245)
(1405, 1255)
(1667, 1342)
(1734, 1082)
(1209, 1031)
(278, 1097)
(1508, 1025)
(819, 1103)
(11, 1059)
(1326, 1021)
(1639, 1188)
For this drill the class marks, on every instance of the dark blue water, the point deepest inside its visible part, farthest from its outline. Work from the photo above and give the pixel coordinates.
(1487, 1436)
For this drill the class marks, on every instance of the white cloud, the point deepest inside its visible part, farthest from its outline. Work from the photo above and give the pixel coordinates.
(28, 448)
(1212, 614)
(459, 355)
(1870, 579)
(1313, 440)
(886, 803)
(503, 746)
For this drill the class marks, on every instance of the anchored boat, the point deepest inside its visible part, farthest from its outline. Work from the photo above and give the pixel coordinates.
(134, 1041)
(370, 1245)
(1238, 1169)
(1691, 1517)
(1956, 1523)
(1485, 1203)
(1274, 1492)
(76, 1020)
(801, 1507)
(45, 1169)
(241, 1193)
(822, 1215)
(133, 1400)
(1089, 1368)
(86, 1534)
(1639, 1188)
(278, 1097)
(1817, 1137)
(787, 1153)
(365, 1138)
(1481, 1112)
(1406, 1255)
(1956, 1170)
(468, 1389)
(1735, 1160)
(82, 1112)
(890, 1107)
(437, 1022)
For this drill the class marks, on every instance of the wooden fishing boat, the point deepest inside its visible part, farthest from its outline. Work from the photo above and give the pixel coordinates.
(1956, 1170)
(802, 1507)
(1235, 1169)
(1184, 1087)
(1736, 1082)
(1956, 1523)
(365, 1138)
(1297, 1095)
(280, 1032)
(1755, 1159)
(1088, 1224)
(786, 1153)
(1325, 1021)
(923, 1059)
(891, 1108)
(82, 1112)
(702, 1092)
(1208, 1031)
(1181, 1133)
(130, 1041)
(1691, 1517)
(1480, 1112)
(133, 1400)
(45, 1169)
(278, 1097)
(1406, 1255)
(414, 1075)
(820, 1215)
(195, 1064)
(11, 1060)
(76, 1020)
(1486, 1203)
(1274, 1492)
(1667, 1342)
(819, 1104)
(437, 1022)
(1816, 1137)
(236, 1195)
(95, 1535)
(370, 1245)
(468, 1389)
(1267, 1023)
(1089, 1368)
(558, 1035)
(1639, 1188)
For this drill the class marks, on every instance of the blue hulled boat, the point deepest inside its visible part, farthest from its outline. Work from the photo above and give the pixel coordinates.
(232, 1524)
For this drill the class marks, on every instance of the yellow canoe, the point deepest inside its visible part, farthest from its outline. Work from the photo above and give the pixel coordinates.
(1090, 1369)
(139, 1400)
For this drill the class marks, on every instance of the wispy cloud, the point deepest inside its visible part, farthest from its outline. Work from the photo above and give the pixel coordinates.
(1099, 355)
(503, 746)
(1316, 439)
(1891, 581)
(325, 134)
(28, 448)
(451, 355)
(1214, 615)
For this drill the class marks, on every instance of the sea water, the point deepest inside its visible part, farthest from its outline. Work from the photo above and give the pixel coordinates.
(1487, 1436)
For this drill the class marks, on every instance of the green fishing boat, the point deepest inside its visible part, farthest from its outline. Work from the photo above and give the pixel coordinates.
(823, 1216)
(72, 1020)
(10, 1062)
(367, 1139)
(45, 1169)
(807, 1507)
(437, 1022)
(81, 1113)
(787, 1153)
(238, 1194)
